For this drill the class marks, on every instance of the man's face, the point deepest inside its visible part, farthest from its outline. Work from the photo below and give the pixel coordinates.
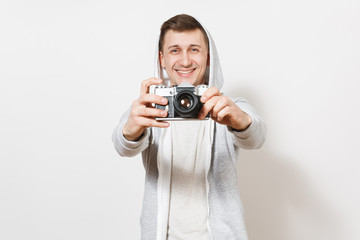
(184, 56)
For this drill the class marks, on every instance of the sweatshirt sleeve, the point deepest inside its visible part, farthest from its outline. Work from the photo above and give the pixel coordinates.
(127, 148)
(254, 136)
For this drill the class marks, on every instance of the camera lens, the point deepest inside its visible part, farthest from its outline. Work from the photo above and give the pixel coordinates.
(185, 102)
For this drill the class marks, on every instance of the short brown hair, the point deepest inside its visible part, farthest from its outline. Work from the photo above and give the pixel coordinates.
(181, 23)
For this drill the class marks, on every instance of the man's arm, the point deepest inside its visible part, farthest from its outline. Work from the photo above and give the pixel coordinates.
(131, 136)
(240, 118)
(125, 147)
(253, 136)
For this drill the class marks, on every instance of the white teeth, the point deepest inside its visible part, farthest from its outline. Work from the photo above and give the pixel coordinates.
(184, 72)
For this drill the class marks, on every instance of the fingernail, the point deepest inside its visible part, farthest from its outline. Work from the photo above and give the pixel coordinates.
(163, 100)
(203, 99)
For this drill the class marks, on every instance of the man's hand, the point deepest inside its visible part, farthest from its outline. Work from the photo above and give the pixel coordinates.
(142, 113)
(223, 110)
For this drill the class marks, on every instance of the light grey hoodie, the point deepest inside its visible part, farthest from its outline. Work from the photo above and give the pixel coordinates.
(226, 217)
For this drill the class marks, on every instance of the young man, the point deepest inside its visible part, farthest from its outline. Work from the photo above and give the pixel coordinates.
(191, 189)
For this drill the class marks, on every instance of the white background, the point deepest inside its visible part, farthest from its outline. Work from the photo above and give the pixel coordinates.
(68, 69)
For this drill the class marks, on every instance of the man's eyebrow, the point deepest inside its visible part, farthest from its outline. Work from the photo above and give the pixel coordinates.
(173, 46)
(177, 45)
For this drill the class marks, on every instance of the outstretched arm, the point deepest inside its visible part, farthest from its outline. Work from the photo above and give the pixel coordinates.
(131, 136)
(240, 118)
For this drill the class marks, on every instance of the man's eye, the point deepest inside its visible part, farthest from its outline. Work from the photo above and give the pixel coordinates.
(174, 51)
(194, 50)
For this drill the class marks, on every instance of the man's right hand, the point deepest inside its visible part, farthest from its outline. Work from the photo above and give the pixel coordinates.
(143, 114)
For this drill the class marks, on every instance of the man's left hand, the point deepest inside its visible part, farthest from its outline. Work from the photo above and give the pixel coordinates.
(223, 110)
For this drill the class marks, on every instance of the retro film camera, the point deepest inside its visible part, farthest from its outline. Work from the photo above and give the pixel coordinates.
(183, 100)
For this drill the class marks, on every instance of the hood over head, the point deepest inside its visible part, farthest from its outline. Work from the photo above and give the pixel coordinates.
(213, 75)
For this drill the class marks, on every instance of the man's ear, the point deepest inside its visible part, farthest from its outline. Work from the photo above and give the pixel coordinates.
(161, 59)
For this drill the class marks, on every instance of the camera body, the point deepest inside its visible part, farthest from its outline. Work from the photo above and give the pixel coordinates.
(183, 100)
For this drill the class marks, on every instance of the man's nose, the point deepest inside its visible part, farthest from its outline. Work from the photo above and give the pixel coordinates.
(185, 59)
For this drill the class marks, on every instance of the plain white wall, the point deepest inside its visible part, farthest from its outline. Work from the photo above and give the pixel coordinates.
(68, 69)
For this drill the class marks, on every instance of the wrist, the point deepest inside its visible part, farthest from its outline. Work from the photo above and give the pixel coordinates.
(244, 124)
(131, 135)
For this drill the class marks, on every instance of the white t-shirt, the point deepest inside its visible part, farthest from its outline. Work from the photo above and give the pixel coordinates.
(188, 210)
